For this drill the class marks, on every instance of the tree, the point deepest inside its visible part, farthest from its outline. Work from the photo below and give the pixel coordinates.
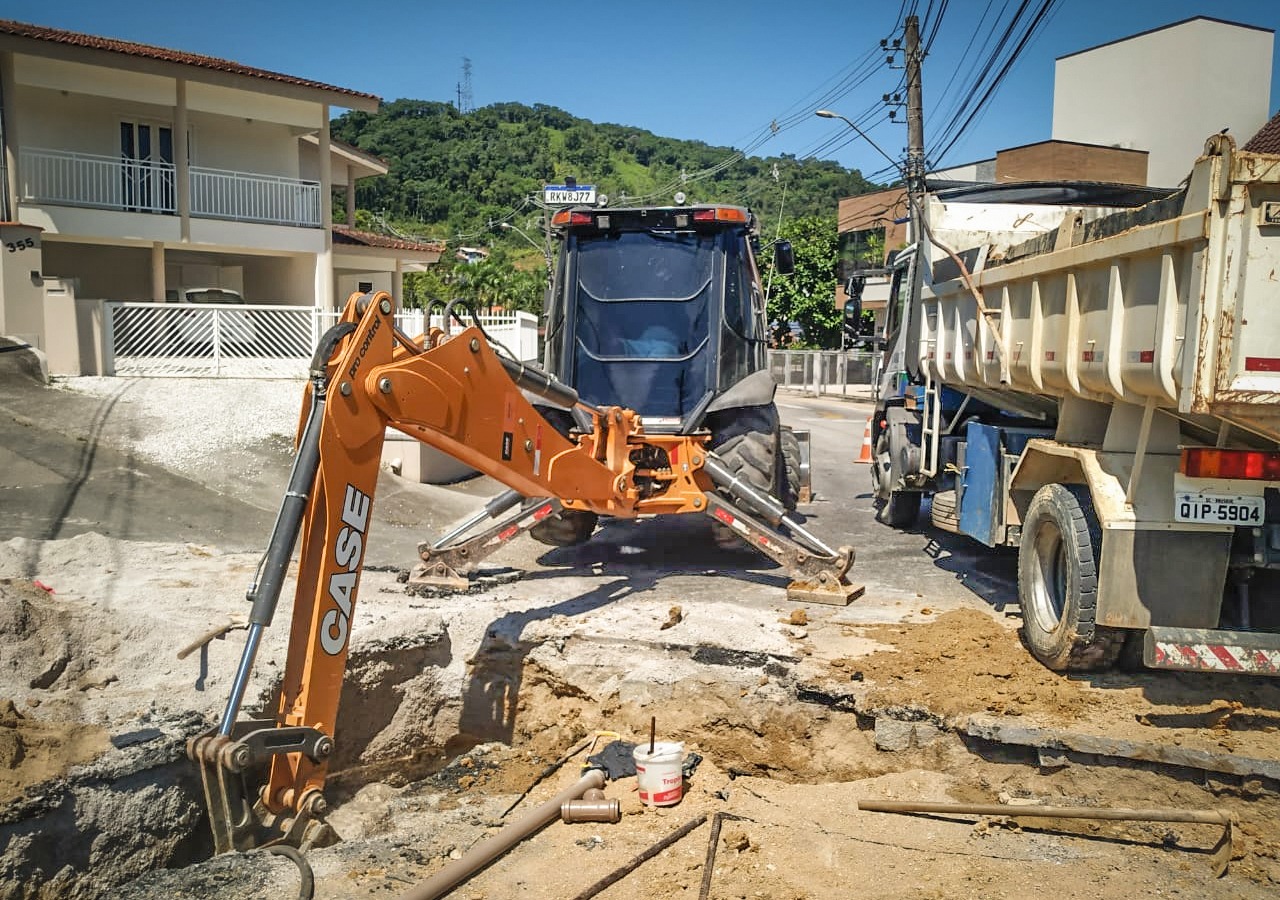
(450, 173)
(807, 295)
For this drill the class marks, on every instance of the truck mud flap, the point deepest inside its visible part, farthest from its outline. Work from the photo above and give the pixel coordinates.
(1212, 650)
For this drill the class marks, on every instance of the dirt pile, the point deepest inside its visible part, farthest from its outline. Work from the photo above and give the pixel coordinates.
(963, 662)
(32, 751)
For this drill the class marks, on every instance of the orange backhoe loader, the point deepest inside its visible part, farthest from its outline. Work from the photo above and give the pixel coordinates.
(457, 394)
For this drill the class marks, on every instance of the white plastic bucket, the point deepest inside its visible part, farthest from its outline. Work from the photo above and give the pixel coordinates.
(659, 774)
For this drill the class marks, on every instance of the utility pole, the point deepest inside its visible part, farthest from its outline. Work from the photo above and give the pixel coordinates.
(915, 112)
(915, 168)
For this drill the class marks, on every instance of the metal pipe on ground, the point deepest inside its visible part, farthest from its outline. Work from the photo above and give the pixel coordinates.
(1222, 851)
(481, 855)
(622, 871)
(1202, 817)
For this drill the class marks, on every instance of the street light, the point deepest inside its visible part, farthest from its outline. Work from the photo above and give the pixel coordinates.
(828, 114)
(546, 256)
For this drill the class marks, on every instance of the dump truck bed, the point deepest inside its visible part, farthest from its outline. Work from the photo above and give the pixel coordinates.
(1177, 303)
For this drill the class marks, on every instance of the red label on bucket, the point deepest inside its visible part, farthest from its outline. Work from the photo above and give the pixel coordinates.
(660, 781)
(670, 787)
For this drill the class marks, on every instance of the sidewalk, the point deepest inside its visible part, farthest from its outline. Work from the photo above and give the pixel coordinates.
(853, 392)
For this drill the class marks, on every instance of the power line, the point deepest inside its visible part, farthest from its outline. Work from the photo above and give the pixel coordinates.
(1036, 24)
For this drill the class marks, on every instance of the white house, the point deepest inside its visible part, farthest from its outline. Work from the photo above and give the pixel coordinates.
(132, 172)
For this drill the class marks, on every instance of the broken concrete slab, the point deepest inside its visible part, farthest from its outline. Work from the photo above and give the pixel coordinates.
(1007, 731)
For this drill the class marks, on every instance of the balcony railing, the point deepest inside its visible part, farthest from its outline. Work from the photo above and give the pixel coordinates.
(107, 182)
(221, 194)
(102, 182)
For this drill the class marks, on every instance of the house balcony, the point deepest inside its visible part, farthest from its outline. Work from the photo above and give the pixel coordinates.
(63, 178)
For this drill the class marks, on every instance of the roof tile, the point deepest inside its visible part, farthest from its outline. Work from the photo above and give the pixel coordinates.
(344, 235)
(147, 51)
(1267, 140)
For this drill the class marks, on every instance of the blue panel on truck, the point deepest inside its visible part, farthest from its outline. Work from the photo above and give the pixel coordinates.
(979, 509)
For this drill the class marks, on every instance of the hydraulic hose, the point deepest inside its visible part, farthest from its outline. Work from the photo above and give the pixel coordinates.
(479, 856)
(264, 593)
(542, 383)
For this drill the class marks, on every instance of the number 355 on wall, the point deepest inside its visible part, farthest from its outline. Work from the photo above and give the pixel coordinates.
(18, 240)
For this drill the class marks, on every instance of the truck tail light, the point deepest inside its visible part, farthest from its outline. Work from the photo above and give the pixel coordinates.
(1207, 462)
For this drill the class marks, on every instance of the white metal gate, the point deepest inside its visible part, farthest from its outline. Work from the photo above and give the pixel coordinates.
(234, 340)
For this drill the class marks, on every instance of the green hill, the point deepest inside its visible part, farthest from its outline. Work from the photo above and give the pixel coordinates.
(452, 173)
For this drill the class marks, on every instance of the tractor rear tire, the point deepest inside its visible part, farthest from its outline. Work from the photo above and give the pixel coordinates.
(747, 443)
(1058, 582)
(568, 528)
(789, 476)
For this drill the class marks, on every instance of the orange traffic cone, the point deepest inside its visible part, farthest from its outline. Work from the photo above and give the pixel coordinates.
(865, 455)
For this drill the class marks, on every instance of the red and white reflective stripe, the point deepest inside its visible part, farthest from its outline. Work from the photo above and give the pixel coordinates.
(1216, 658)
(537, 451)
(732, 521)
(542, 512)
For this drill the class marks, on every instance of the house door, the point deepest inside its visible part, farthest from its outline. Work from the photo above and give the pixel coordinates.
(146, 167)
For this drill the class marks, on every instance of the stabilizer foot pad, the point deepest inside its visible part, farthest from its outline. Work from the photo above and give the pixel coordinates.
(842, 595)
(434, 585)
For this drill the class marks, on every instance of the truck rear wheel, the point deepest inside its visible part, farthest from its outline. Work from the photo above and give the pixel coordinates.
(899, 509)
(1058, 582)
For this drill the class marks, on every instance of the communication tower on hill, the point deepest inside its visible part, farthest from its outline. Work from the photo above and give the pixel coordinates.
(465, 104)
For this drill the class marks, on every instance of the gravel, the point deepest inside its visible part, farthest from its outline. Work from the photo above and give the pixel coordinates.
(219, 416)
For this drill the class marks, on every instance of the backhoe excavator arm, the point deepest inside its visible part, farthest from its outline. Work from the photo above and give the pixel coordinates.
(455, 394)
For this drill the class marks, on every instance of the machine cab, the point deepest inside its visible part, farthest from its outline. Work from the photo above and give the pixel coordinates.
(657, 309)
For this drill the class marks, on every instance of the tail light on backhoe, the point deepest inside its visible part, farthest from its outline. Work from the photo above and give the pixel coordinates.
(672, 218)
(1209, 462)
(571, 217)
(720, 214)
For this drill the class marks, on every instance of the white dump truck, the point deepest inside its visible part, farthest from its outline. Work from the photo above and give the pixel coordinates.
(1092, 376)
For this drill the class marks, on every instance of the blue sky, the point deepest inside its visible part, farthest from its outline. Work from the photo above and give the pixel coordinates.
(710, 71)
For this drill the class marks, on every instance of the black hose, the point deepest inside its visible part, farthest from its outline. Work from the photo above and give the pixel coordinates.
(324, 350)
(307, 890)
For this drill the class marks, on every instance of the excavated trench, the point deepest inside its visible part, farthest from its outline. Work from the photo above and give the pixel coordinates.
(130, 822)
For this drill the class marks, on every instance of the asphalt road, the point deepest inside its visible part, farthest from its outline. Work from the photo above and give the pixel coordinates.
(920, 565)
(59, 479)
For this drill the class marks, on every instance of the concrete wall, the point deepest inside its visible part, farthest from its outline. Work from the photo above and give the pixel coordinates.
(21, 284)
(1066, 161)
(1166, 91)
(347, 284)
(289, 279)
(75, 333)
(101, 273)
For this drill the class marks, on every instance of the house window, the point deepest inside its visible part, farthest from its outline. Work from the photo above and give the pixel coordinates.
(146, 167)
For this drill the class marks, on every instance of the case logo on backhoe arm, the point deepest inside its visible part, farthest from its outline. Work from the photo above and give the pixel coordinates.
(348, 551)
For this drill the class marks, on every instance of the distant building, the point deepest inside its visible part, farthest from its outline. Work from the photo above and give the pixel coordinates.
(1165, 91)
(470, 255)
(132, 172)
(1135, 111)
